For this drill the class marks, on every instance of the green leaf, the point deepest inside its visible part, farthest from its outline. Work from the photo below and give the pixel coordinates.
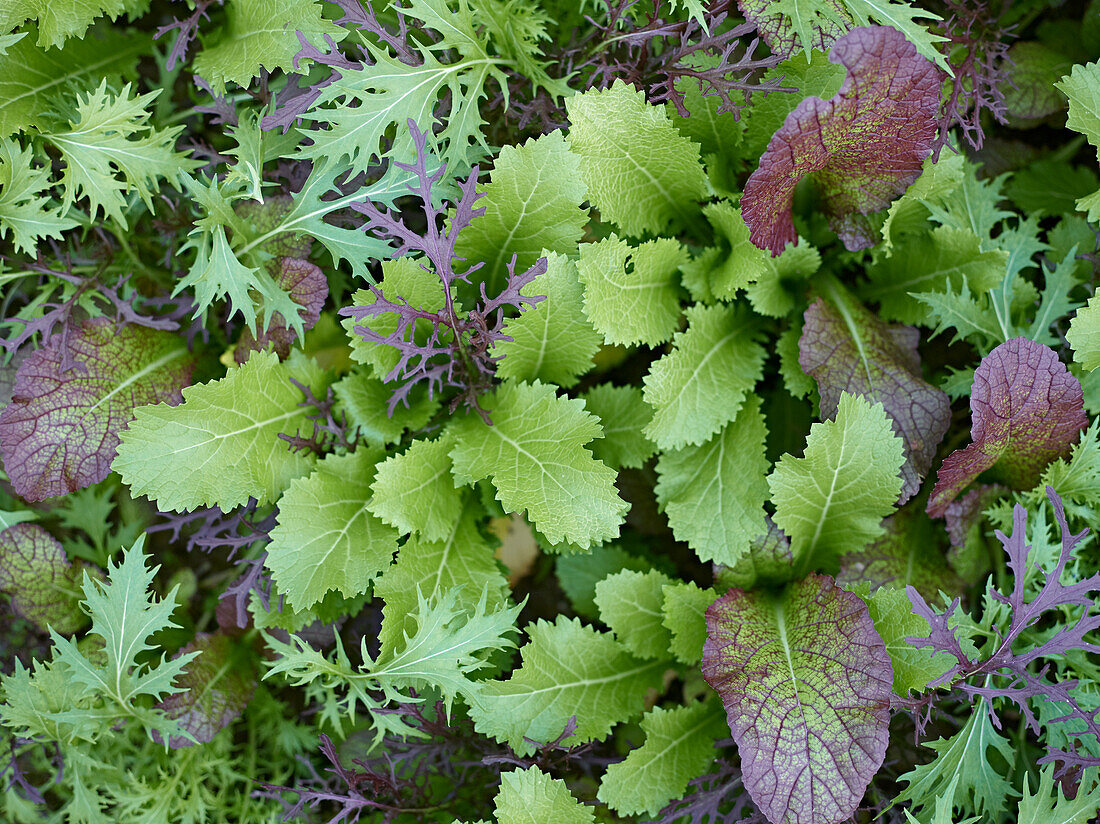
(1082, 87)
(531, 796)
(414, 491)
(937, 261)
(971, 316)
(532, 206)
(553, 341)
(902, 15)
(1049, 804)
(630, 292)
(568, 670)
(732, 264)
(679, 746)
(624, 416)
(685, 608)
(461, 562)
(221, 446)
(262, 34)
(58, 20)
(36, 574)
(699, 386)
(641, 174)
(1084, 335)
(110, 151)
(908, 215)
(365, 399)
(534, 452)
(32, 77)
(630, 603)
(833, 499)
(714, 493)
(964, 757)
(578, 574)
(326, 538)
(26, 208)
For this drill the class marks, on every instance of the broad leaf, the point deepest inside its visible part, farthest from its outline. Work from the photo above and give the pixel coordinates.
(414, 491)
(531, 796)
(73, 398)
(624, 415)
(685, 608)
(1084, 335)
(58, 20)
(1082, 87)
(1027, 411)
(630, 603)
(36, 575)
(805, 681)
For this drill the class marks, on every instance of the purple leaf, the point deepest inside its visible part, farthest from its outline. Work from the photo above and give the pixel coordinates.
(308, 287)
(1027, 410)
(1019, 675)
(61, 430)
(36, 574)
(218, 686)
(806, 683)
(845, 348)
(862, 147)
(775, 26)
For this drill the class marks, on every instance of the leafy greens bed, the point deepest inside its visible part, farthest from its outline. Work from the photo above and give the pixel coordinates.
(549, 411)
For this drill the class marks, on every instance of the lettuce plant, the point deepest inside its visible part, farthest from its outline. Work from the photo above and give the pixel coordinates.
(669, 411)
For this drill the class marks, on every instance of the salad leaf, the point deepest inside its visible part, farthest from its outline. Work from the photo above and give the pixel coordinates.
(36, 574)
(630, 603)
(531, 796)
(414, 491)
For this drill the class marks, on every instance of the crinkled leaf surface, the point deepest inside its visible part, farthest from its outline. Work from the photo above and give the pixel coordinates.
(534, 452)
(62, 428)
(630, 603)
(531, 796)
(832, 500)
(685, 608)
(732, 263)
(58, 20)
(326, 537)
(698, 387)
(1027, 409)
(863, 147)
(640, 172)
(365, 400)
(26, 210)
(221, 446)
(806, 684)
(36, 574)
(845, 348)
(624, 415)
(679, 746)
(1082, 87)
(568, 670)
(1084, 335)
(415, 492)
(630, 292)
(714, 493)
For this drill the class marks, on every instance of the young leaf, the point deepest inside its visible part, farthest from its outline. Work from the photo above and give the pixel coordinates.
(1049, 803)
(58, 21)
(685, 608)
(532, 206)
(640, 173)
(262, 34)
(847, 349)
(732, 264)
(1084, 335)
(699, 386)
(679, 746)
(1082, 87)
(26, 210)
(630, 292)
(221, 446)
(62, 428)
(714, 494)
(36, 574)
(534, 452)
(415, 492)
(326, 538)
(630, 603)
(553, 342)
(805, 681)
(866, 151)
(832, 500)
(364, 399)
(568, 670)
(1027, 411)
(624, 415)
(531, 796)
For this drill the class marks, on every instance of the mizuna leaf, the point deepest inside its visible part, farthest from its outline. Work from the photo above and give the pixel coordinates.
(714, 494)
(221, 446)
(845, 348)
(568, 670)
(415, 492)
(534, 452)
(218, 683)
(679, 746)
(1084, 335)
(1049, 803)
(58, 20)
(326, 537)
(36, 574)
(531, 796)
(630, 604)
(62, 428)
(26, 210)
(641, 174)
(862, 147)
(832, 500)
(1027, 410)
(532, 206)
(624, 415)
(805, 681)
(630, 292)
(553, 341)
(699, 386)
(263, 34)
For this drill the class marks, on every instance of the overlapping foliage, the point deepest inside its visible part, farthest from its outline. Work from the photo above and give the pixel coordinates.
(668, 411)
